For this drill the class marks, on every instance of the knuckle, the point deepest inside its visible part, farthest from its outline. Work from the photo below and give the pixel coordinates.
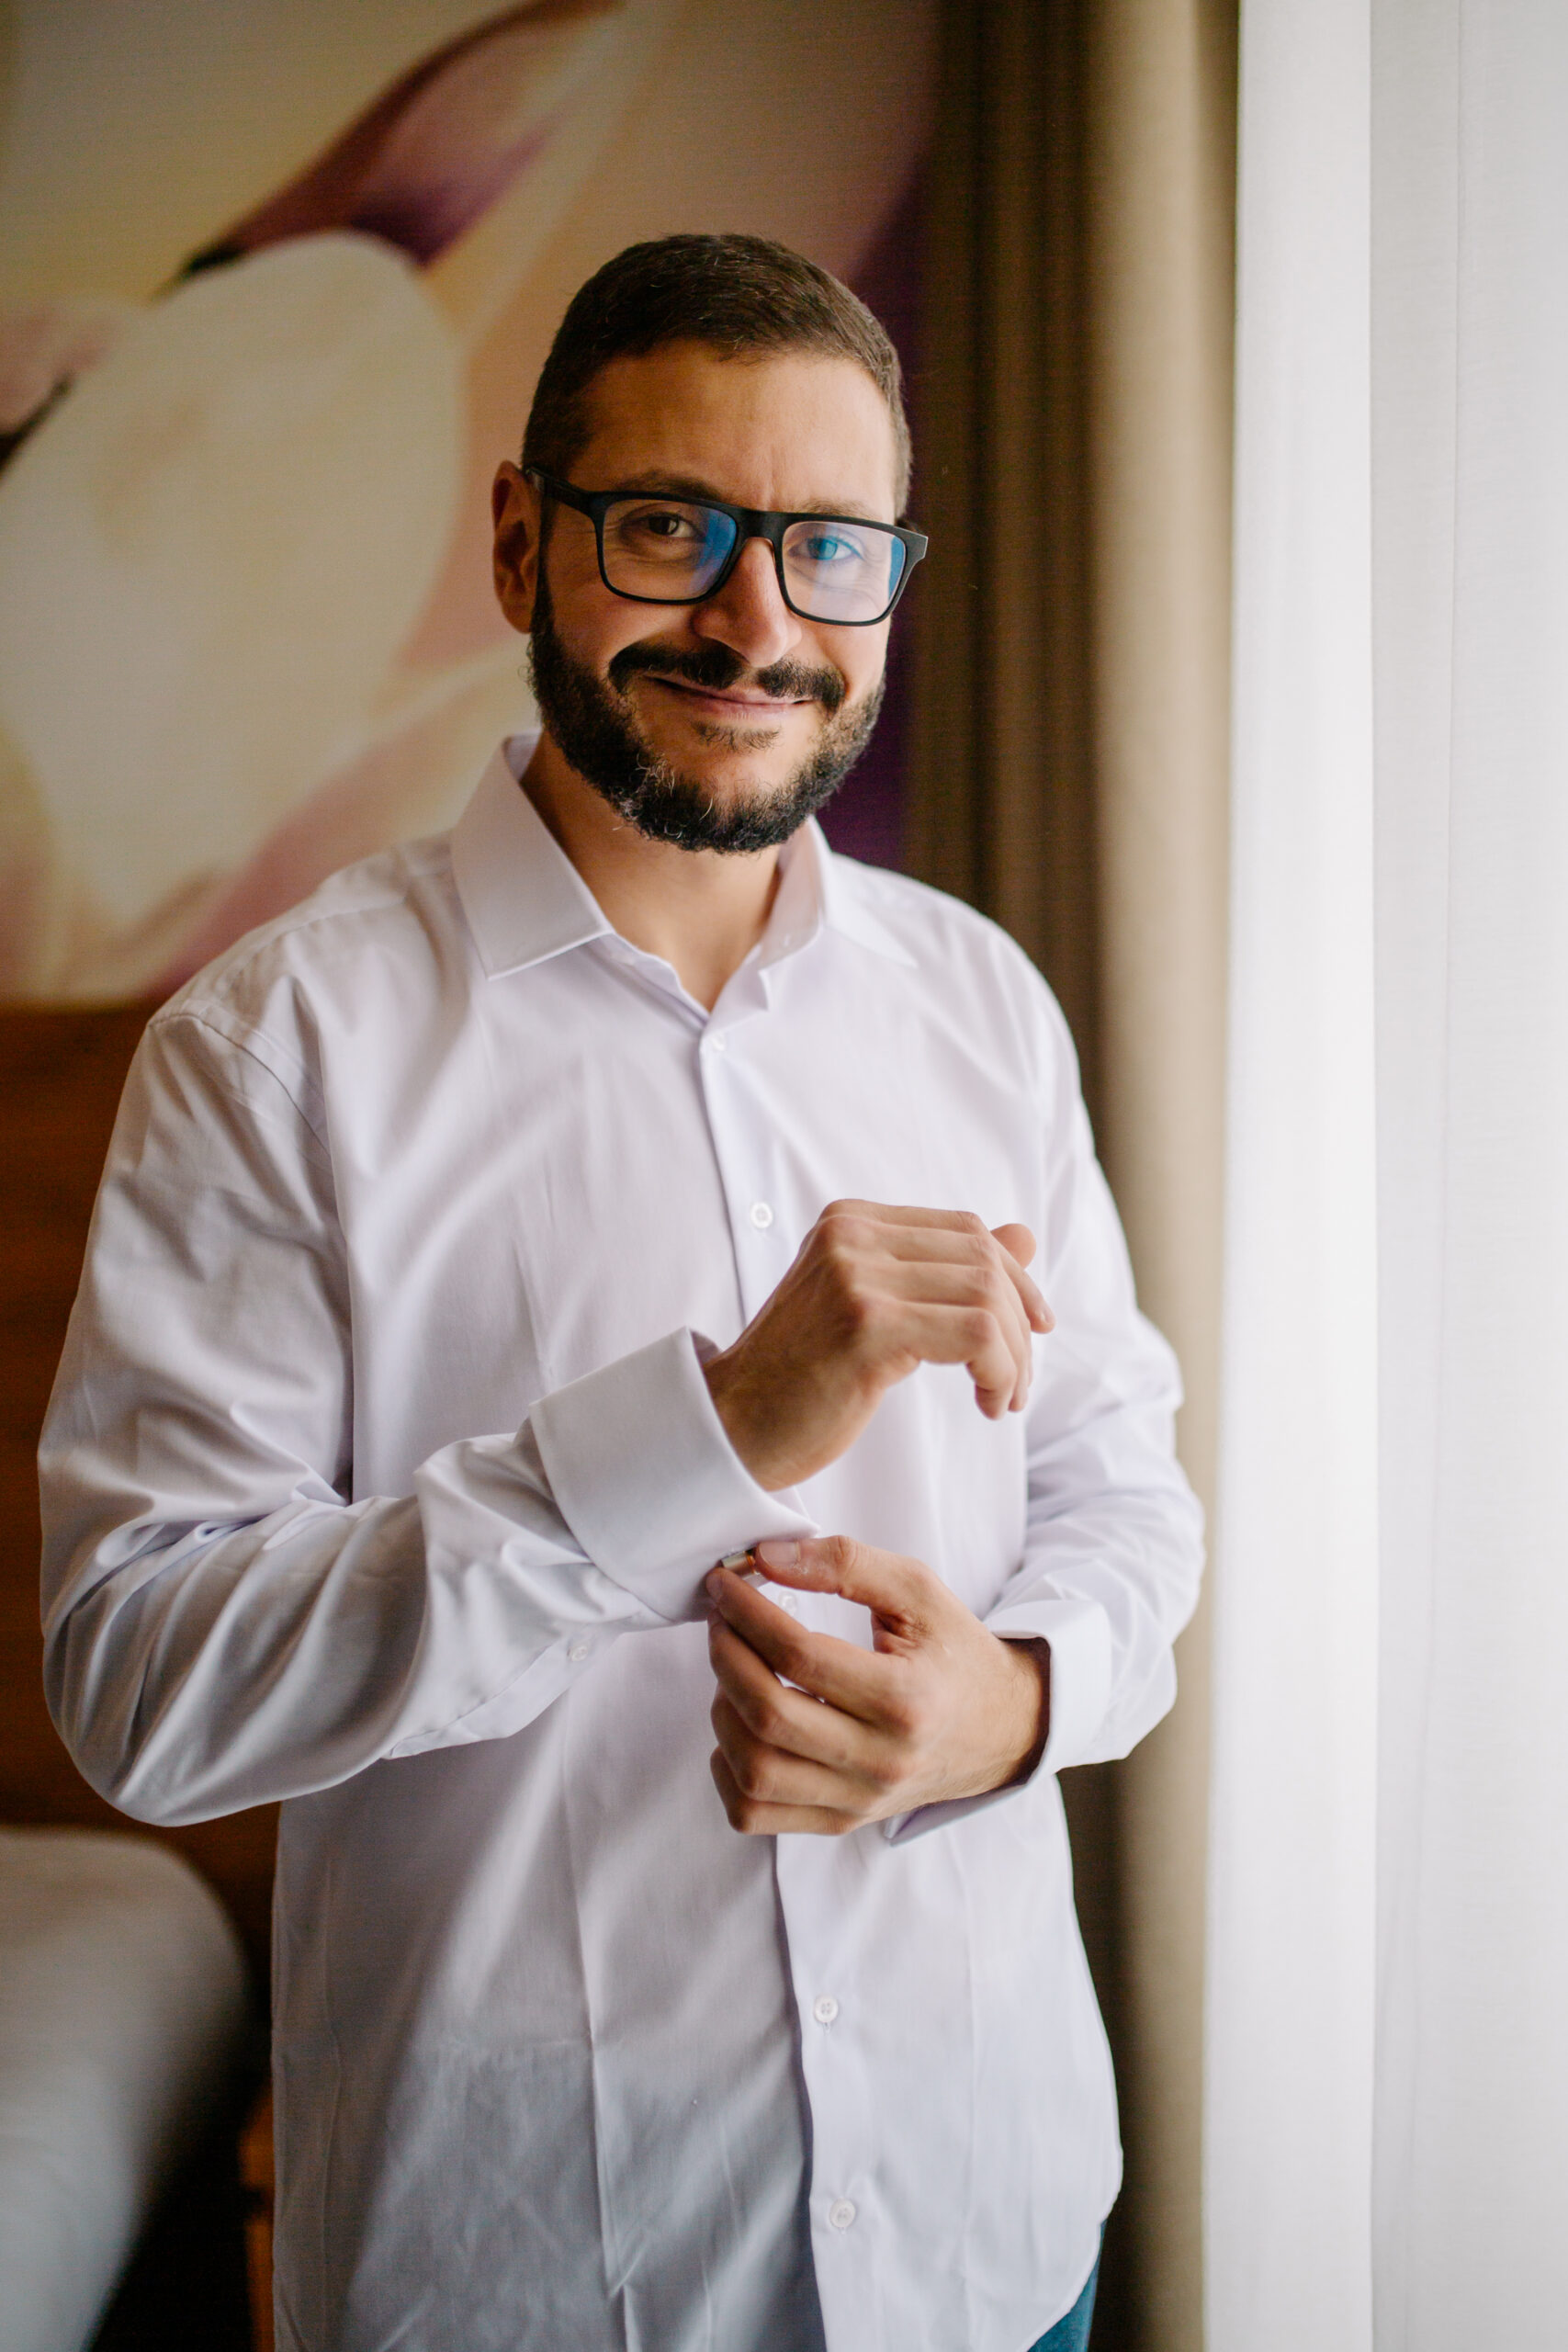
(793, 1666)
(889, 1781)
(862, 1310)
(928, 1586)
(979, 1328)
(919, 1719)
(841, 1231)
(768, 1721)
(899, 1722)
(844, 1565)
(909, 1719)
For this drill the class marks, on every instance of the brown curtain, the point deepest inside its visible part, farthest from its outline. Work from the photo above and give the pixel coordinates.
(1070, 776)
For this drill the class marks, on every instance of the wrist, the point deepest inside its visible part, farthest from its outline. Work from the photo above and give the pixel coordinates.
(1033, 1655)
(729, 1388)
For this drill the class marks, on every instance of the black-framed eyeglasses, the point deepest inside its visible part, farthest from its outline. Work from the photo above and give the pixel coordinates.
(658, 549)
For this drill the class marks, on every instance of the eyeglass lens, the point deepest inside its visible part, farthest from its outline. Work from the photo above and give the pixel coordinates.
(673, 549)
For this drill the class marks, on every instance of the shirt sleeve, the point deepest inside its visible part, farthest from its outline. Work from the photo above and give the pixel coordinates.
(223, 1626)
(1113, 1548)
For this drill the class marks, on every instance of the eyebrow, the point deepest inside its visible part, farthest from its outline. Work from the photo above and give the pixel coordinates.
(657, 484)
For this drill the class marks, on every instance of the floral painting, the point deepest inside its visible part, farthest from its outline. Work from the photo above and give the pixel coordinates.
(275, 284)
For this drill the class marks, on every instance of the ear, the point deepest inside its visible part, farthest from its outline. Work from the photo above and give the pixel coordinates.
(516, 507)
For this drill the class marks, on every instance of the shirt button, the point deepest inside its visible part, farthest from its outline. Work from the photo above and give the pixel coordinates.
(577, 1652)
(824, 2008)
(761, 1216)
(841, 2213)
(715, 1041)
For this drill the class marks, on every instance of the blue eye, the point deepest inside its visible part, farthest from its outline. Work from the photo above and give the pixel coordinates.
(831, 547)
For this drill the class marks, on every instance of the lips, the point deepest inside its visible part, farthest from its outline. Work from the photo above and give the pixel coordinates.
(741, 704)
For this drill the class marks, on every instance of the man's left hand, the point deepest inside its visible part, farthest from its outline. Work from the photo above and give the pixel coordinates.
(941, 1708)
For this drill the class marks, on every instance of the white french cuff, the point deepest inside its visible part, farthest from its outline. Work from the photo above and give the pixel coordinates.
(646, 1479)
(1079, 1634)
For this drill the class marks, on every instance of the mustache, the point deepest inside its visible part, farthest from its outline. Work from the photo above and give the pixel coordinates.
(717, 668)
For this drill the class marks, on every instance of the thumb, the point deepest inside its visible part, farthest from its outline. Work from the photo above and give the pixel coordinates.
(892, 1587)
(1017, 1240)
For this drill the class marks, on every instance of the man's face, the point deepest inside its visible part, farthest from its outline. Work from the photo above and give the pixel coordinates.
(720, 725)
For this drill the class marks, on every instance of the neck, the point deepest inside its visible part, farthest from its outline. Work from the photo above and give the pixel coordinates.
(702, 911)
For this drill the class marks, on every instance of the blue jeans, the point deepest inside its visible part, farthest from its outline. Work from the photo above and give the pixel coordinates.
(1071, 2332)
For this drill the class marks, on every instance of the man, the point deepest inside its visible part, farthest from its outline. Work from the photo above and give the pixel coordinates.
(529, 1223)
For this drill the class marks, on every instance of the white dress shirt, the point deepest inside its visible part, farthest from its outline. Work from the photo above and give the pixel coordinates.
(381, 1476)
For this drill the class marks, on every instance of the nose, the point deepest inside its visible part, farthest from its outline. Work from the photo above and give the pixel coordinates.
(748, 614)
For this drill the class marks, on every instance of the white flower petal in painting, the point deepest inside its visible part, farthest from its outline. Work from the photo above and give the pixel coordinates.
(210, 553)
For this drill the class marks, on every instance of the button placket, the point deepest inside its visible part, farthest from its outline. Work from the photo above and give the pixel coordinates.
(743, 1147)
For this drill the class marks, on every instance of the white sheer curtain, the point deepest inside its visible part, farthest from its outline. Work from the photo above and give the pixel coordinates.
(1387, 2061)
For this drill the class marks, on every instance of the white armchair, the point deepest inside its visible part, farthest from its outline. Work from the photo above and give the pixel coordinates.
(123, 2011)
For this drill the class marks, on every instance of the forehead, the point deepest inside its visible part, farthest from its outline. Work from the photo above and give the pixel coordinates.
(792, 429)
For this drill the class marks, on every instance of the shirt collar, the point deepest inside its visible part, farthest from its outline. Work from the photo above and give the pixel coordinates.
(846, 890)
(525, 900)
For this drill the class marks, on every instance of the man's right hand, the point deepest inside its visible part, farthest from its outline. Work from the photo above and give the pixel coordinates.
(873, 1293)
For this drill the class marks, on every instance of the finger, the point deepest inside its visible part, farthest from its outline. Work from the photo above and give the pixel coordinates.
(953, 1236)
(896, 1331)
(948, 1282)
(902, 1594)
(858, 1682)
(1017, 1251)
(783, 1716)
(890, 1212)
(775, 1776)
(980, 1286)
(731, 1579)
(755, 1819)
(981, 1341)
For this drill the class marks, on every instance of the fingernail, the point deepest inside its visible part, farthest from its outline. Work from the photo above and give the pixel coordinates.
(778, 1552)
(714, 1587)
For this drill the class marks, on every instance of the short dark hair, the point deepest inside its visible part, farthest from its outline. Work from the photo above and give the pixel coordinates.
(741, 295)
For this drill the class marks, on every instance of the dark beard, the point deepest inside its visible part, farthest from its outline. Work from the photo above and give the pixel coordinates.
(593, 726)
